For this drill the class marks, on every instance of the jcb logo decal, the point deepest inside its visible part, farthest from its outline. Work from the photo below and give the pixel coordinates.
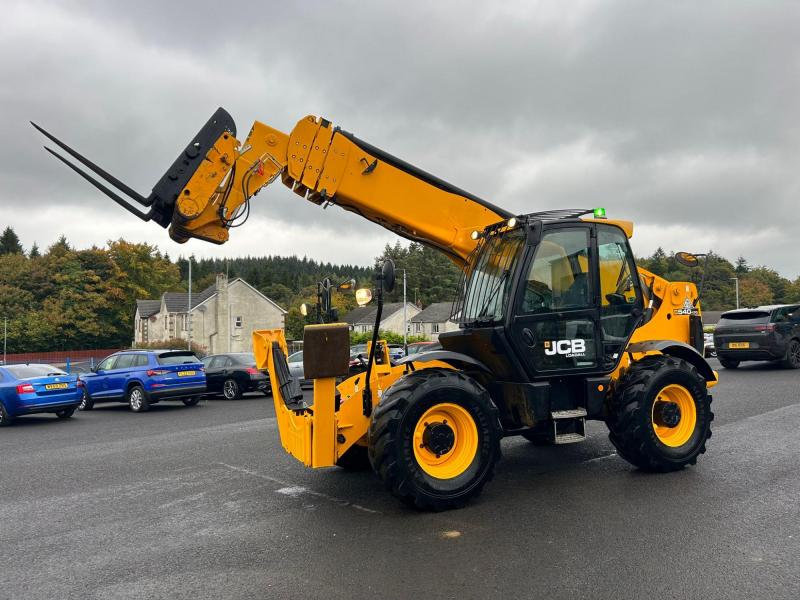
(568, 348)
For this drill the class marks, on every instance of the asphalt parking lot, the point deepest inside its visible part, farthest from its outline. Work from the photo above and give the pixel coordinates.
(203, 503)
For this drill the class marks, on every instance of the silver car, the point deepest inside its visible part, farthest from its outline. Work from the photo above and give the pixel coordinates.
(295, 362)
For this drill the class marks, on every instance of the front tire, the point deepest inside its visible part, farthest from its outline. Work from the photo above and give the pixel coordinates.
(5, 418)
(729, 363)
(434, 439)
(191, 401)
(231, 390)
(66, 413)
(86, 401)
(660, 414)
(792, 359)
(137, 399)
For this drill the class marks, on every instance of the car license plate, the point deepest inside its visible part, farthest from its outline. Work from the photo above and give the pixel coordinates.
(186, 373)
(738, 345)
(56, 386)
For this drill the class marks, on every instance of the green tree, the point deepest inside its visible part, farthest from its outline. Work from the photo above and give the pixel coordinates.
(754, 292)
(428, 272)
(741, 266)
(34, 253)
(9, 242)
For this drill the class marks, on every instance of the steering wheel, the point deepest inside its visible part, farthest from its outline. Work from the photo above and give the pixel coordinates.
(537, 296)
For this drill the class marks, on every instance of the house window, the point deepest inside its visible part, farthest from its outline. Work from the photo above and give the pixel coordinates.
(417, 327)
(435, 327)
(237, 322)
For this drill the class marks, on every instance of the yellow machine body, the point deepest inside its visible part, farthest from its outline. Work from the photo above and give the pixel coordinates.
(328, 166)
(320, 435)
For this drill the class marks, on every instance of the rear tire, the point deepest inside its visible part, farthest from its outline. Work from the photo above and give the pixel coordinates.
(231, 390)
(729, 363)
(792, 359)
(5, 418)
(434, 439)
(646, 427)
(355, 459)
(66, 413)
(191, 401)
(137, 399)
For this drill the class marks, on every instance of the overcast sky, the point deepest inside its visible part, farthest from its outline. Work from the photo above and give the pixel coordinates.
(682, 116)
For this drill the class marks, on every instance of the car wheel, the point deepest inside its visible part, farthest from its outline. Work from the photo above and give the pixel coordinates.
(86, 401)
(137, 399)
(728, 363)
(66, 413)
(191, 401)
(231, 390)
(792, 360)
(5, 418)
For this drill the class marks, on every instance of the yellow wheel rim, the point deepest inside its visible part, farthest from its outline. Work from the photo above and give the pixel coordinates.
(445, 441)
(674, 415)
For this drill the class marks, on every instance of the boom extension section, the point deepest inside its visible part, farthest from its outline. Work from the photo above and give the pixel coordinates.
(207, 190)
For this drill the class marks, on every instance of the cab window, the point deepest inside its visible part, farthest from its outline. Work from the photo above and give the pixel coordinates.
(558, 278)
(619, 288)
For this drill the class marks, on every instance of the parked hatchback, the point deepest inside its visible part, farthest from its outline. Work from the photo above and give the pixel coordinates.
(234, 374)
(141, 378)
(37, 388)
(764, 333)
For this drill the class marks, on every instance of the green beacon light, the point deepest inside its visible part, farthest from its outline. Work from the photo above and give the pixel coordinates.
(599, 213)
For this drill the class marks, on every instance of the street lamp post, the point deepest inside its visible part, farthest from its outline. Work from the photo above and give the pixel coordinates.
(736, 279)
(405, 315)
(189, 311)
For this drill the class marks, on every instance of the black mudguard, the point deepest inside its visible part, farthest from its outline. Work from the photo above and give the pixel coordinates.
(678, 350)
(457, 359)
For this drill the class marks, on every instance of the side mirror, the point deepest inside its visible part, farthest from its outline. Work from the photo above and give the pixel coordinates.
(363, 296)
(387, 275)
(687, 259)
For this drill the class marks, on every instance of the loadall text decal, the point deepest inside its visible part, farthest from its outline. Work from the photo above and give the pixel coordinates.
(568, 348)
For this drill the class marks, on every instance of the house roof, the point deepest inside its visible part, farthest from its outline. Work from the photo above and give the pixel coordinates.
(178, 302)
(147, 308)
(366, 314)
(438, 312)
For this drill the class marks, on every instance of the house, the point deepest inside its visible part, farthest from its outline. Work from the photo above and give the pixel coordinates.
(362, 319)
(432, 321)
(222, 316)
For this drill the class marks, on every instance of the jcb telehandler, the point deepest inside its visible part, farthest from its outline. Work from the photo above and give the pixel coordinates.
(557, 323)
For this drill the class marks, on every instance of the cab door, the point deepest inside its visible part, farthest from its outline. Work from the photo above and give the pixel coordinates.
(554, 327)
(578, 300)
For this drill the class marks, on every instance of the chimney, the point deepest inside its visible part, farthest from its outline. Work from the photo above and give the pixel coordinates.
(222, 282)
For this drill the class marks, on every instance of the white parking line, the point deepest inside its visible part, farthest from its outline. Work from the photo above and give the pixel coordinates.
(295, 491)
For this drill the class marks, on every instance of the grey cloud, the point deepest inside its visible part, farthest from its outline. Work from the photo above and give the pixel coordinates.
(681, 115)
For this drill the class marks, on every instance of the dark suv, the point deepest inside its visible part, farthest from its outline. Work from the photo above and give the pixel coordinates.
(764, 333)
(140, 378)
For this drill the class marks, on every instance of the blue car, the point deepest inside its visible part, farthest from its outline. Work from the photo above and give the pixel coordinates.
(37, 388)
(140, 378)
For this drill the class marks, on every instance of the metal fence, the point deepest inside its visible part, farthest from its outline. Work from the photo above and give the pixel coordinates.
(77, 361)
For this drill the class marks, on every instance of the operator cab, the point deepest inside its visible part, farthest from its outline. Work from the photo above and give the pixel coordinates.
(548, 294)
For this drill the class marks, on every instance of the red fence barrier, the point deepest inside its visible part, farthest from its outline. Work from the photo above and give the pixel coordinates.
(59, 356)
